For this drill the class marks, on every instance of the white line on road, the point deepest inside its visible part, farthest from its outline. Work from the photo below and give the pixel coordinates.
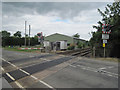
(107, 67)
(18, 84)
(72, 65)
(10, 76)
(9, 62)
(34, 77)
(46, 84)
(24, 72)
(97, 70)
(49, 86)
(2, 69)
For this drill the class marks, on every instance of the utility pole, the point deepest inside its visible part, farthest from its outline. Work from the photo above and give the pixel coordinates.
(25, 32)
(29, 35)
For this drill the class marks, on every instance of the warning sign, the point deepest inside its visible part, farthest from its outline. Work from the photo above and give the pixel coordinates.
(103, 44)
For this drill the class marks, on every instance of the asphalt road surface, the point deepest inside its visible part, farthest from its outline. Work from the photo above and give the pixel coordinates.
(35, 70)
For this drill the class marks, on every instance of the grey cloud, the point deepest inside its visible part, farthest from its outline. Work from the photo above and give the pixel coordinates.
(64, 9)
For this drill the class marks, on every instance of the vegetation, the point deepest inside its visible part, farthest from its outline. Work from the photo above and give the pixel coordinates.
(20, 50)
(16, 39)
(76, 35)
(111, 16)
(71, 47)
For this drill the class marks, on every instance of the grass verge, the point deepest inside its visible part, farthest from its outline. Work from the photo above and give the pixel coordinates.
(109, 59)
(17, 49)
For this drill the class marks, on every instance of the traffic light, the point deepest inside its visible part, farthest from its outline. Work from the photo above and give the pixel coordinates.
(106, 29)
(40, 37)
(39, 34)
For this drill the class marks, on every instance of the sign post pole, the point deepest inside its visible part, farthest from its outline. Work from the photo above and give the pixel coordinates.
(105, 34)
(104, 49)
(104, 52)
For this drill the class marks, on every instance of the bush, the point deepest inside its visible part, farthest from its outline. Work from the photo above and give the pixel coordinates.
(80, 45)
(71, 47)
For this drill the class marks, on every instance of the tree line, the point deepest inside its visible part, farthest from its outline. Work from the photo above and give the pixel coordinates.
(16, 39)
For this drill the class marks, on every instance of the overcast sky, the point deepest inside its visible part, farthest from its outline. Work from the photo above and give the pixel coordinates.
(52, 17)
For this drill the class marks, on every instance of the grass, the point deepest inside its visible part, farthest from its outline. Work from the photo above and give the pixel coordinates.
(17, 49)
(108, 59)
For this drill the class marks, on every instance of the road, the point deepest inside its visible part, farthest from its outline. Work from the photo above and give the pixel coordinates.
(35, 70)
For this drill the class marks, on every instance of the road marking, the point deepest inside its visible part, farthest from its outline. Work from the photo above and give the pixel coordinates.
(72, 65)
(34, 77)
(107, 67)
(49, 86)
(97, 70)
(10, 76)
(102, 68)
(18, 84)
(2, 69)
(24, 72)
(9, 62)
(46, 84)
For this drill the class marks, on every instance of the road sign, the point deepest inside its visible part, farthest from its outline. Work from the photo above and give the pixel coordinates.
(105, 36)
(104, 41)
(103, 44)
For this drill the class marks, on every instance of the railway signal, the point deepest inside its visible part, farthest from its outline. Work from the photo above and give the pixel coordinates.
(106, 30)
(40, 37)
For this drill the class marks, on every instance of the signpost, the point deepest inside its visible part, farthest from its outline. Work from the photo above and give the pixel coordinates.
(40, 37)
(105, 34)
(104, 41)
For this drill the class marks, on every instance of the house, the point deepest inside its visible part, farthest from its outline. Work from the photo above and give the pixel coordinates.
(59, 41)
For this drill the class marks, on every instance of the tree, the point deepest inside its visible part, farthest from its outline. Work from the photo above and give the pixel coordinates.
(76, 35)
(18, 34)
(5, 34)
(111, 16)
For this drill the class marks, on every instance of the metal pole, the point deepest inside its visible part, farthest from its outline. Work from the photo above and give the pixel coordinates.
(104, 52)
(29, 36)
(25, 32)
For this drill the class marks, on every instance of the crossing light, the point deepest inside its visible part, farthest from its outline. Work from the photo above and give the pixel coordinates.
(106, 28)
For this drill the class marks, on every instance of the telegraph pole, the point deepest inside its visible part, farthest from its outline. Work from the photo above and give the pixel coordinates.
(29, 35)
(25, 32)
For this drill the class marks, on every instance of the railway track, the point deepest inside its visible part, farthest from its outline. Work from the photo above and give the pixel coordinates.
(78, 52)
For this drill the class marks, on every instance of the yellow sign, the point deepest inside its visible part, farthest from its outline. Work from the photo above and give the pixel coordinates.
(103, 44)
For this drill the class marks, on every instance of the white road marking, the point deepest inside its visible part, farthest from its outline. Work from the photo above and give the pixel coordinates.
(102, 68)
(96, 70)
(49, 86)
(45, 84)
(24, 72)
(10, 76)
(18, 84)
(2, 69)
(42, 82)
(9, 63)
(34, 77)
(107, 67)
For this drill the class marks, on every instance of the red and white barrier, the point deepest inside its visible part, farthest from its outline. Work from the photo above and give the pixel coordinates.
(29, 48)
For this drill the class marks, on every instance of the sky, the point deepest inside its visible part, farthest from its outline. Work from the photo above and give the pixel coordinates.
(66, 18)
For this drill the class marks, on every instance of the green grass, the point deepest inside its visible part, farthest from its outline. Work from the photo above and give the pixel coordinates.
(109, 59)
(17, 49)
